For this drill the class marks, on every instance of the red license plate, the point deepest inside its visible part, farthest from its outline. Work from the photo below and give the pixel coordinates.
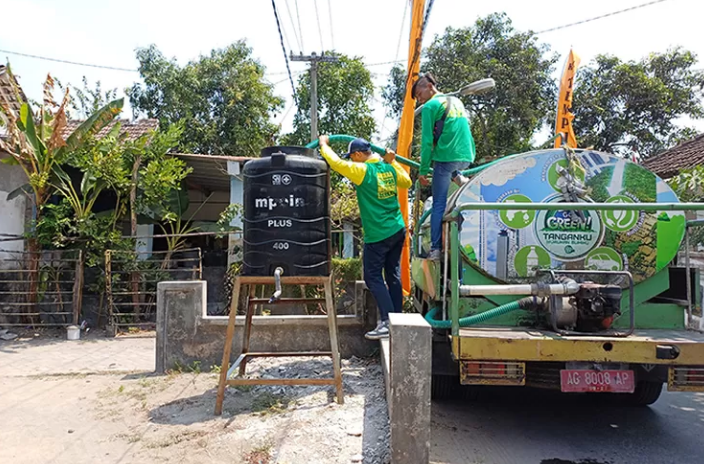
(614, 381)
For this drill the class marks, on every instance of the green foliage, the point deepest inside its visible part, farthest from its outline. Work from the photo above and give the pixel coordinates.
(343, 204)
(36, 142)
(393, 93)
(87, 99)
(222, 99)
(347, 270)
(689, 187)
(504, 120)
(232, 212)
(345, 92)
(637, 103)
(160, 196)
(689, 184)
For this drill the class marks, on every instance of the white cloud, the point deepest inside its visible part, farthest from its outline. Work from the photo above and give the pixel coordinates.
(508, 171)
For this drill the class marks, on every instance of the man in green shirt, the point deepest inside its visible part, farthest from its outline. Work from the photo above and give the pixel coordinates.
(376, 182)
(446, 142)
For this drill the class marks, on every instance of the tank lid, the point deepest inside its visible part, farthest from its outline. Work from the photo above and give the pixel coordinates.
(288, 150)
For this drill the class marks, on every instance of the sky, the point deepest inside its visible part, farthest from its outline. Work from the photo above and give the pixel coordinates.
(108, 32)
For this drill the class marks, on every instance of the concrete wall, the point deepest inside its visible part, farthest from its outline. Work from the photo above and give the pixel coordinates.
(407, 362)
(185, 333)
(12, 213)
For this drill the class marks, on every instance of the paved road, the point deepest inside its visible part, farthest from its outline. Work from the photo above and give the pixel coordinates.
(93, 353)
(540, 427)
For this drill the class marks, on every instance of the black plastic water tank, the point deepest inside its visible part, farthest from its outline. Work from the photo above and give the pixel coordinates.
(286, 213)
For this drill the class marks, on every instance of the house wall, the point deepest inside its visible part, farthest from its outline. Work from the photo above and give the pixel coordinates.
(211, 210)
(12, 212)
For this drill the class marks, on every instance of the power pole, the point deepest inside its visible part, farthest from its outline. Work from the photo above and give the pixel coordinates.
(314, 59)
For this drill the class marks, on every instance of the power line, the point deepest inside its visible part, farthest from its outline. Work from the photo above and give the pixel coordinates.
(288, 43)
(416, 52)
(283, 47)
(320, 31)
(400, 32)
(293, 26)
(332, 35)
(57, 60)
(564, 26)
(300, 29)
(398, 52)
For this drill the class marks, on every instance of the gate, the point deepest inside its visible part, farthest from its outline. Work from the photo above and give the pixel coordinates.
(40, 289)
(131, 279)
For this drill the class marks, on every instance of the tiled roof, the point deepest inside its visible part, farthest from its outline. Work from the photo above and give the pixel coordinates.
(134, 129)
(685, 155)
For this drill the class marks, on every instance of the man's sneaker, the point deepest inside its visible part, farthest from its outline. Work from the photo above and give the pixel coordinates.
(434, 255)
(381, 331)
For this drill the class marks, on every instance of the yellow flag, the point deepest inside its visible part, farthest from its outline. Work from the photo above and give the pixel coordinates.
(563, 125)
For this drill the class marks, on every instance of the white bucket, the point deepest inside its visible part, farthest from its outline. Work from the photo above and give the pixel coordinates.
(73, 332)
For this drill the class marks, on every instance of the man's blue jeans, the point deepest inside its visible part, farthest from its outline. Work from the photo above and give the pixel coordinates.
(442, 176)
(385, 256)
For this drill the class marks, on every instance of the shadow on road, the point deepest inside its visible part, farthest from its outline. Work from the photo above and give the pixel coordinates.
(536, 426)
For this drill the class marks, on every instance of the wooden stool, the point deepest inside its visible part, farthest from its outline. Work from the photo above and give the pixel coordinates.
(241, 362)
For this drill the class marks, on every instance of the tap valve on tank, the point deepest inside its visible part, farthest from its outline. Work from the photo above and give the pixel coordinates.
(277, 282)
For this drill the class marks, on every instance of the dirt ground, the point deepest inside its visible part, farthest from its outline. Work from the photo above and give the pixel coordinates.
(137, 417)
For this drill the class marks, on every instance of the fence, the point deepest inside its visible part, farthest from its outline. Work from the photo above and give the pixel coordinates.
(131, 279)
(41, 288)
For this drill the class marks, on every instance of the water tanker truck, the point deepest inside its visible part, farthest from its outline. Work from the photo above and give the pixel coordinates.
(560, 271)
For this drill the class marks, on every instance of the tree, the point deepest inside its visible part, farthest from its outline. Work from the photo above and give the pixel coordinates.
(394, 93)
(505, 120)
(221, 100)
(637, 104)
(87, 100)
(345, 91)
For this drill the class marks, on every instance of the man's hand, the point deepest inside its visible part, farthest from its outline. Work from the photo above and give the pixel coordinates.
(324, 140)
(424, 181)
(390, 156)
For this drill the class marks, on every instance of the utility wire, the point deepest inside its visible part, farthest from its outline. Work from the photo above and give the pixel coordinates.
(564, 26)
(283, 47)
(332, 35)
(418, 45)
(398, 52)
(288, 43)
(300, 29)
(320, 31)
(293, 26)
(56, 60)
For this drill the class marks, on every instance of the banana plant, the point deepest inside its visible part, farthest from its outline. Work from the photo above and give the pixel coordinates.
(36, 142)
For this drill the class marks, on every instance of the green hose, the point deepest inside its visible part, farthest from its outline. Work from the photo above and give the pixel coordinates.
(375, 148)
(472, 320)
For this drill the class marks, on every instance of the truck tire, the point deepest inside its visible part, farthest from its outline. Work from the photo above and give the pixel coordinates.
(448, 387)
(645, 394)
(443, 387)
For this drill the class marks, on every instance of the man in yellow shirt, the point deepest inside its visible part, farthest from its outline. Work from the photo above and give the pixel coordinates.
(376, 182)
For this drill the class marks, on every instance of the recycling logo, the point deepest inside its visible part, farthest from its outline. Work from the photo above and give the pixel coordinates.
(619, 220)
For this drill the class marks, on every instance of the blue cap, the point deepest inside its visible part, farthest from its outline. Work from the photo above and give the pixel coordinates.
(356, 145)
